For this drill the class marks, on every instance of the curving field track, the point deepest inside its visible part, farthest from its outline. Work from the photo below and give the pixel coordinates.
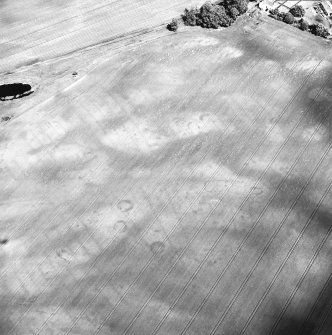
(177, 184)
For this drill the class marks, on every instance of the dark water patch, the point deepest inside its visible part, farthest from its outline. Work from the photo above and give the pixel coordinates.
(14, 91)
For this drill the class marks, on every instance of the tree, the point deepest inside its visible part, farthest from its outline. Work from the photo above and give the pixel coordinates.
(277, 15)
(214, 16)
(319, 30)
(297, 11)
(234, 13)
(289, 18)
(274, 12)
(190, 16)
(173, 26)
(240, 5)
(303, 25)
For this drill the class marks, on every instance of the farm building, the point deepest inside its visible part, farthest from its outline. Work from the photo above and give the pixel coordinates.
(327, 5)
(266, 4)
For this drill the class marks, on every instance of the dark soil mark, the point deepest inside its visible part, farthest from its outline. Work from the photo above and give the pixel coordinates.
(6, 118)
(3, 241)
(125, 205)
(14, 91)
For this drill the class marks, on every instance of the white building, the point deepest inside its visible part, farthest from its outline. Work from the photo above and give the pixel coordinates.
(266, 4)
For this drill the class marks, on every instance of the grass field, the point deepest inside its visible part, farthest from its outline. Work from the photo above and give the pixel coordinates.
(179, 184)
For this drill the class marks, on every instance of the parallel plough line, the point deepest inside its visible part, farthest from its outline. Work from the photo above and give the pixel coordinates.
(214, 244)
(132, 186)
(152, 223)
(304, 274)
(307, 224)
(214, 286)
(123, 195)
(143, 31)
(327, 317)
(178, 222)
(238, 292)
(102, 165)
(315, 305)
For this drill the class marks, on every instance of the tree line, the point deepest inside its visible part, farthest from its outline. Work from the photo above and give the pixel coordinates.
(211, 15)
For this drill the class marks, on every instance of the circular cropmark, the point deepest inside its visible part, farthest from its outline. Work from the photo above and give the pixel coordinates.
(125, 205)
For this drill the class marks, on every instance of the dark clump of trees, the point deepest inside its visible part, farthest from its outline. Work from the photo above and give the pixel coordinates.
(319, 30)
(190, 17)
(298, 12)
(289, 18)
(234, 13)
(303, 25)
(173, 26)
(215, 15)
(240, 5)
(277, 15)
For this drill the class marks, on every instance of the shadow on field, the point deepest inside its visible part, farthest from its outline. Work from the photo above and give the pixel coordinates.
(318, 99)
(5, 326)
(314, 321)
(316, 311)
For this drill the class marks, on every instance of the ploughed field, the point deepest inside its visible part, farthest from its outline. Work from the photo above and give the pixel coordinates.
(174, 184)
(36, 30)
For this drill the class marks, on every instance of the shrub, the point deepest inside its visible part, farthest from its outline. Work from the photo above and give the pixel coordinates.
(303, 25)
(214, 16)
(274, 13)
(173, 26)
(288, 18)
(277, 15)
(190, 16)
(297, 11)
(319, 30)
